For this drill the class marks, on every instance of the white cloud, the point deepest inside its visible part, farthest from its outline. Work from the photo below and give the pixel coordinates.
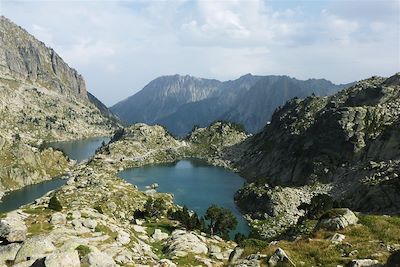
(119, 46)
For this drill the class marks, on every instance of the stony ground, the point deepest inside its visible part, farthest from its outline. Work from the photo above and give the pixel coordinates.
(31, 115)
(96, 224)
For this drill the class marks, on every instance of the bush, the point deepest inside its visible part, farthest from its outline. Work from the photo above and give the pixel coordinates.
(319, 205)
(117, 135)
(83, 250)
(152, 208)
(254, 243)
(99, 209)
(239, 238)
(190, 220)
(54, 204)
(221, 221)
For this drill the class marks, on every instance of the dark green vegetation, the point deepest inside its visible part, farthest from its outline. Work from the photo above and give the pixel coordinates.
(54, 204)
(217, 220)
(181, 102)
(313, 247)
(221, 220)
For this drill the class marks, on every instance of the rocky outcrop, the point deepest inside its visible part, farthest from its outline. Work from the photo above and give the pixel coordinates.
(24, 57)
(41, 99)
(337, 219)
(364, 263)
(13, 228)
(181, 243)
(280, 258)
(22, 164)
(345, 145)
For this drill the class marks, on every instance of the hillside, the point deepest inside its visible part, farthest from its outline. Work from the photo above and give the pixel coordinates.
(345, 146)
(41, 99)
(182, 102)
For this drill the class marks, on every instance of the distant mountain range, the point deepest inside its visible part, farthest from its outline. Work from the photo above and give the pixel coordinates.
(183, 102)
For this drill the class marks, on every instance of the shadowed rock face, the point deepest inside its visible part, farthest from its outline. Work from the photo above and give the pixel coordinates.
(182, 102)
(312, 139)
(24, 57)
(349, 142)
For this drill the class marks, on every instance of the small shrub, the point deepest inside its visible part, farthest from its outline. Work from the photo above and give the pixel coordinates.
(319, 205)
(239, 238)
(99, 209)
(83, 250)
(190, 220)
(333, 213)
(254, 243)
(154, 207)
(54, 204)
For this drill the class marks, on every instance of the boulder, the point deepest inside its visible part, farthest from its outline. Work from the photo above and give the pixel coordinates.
(34, 248)
(159, 236)
(337, 219)
(76, 214)
(89, 223)
(235, 254)
(180, 243)
(364, 263)
(63, 259)
(246, 263)
(279, 258)
(98, 259)
(13, 228)
(337, 238)
(394, 259)
(166, 263)
(8, 252)
(58, 218)
(123, 237)
(139, 229)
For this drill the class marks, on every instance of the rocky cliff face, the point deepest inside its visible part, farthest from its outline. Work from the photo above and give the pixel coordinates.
(23, 57)
(163, 96)
(41, 99)
(22, 164)
(346, 145)
(182, 102)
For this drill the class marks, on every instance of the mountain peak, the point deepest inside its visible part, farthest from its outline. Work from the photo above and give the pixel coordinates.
(24, 57)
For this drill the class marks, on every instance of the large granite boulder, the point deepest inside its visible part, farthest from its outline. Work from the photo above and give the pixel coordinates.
(63, 259)
(337, 219)
(34, 248)
(13, 228)
(181, 243)
(98, 259)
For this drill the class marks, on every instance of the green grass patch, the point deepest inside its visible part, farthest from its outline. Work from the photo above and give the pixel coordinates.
(83, 250)
(188, 260)
(107, 231)
(165, 225)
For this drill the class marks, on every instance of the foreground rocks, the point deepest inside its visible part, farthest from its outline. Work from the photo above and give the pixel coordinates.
(13, 228)
(337, 219)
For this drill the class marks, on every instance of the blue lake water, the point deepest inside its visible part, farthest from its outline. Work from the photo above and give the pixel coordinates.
(194, 184)
(78, 150)
(28, 194)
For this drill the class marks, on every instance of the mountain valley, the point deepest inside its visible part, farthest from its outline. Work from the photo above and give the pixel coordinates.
(321, 163)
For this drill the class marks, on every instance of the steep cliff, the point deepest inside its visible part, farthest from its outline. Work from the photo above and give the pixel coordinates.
(41, 99)
(24, 57)
(346, 146)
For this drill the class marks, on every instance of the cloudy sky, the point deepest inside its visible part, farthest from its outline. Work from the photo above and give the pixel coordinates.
(119, 46)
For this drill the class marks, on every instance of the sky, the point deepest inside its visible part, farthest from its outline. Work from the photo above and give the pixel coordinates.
(120, 46)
